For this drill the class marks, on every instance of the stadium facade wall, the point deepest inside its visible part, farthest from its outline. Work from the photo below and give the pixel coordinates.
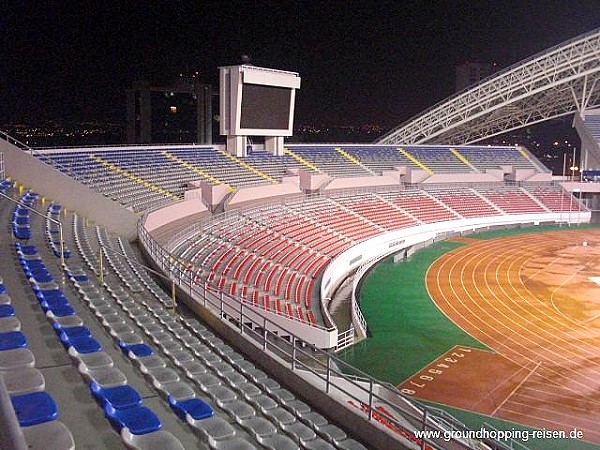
(44, 179)
(393, 242)
(165, 221)
(444, 178)
(256, 195)
(340, 184)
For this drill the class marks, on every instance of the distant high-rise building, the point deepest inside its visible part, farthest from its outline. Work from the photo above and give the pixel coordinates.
(469, 73)
(179, 112)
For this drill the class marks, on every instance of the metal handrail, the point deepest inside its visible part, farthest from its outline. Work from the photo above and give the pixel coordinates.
(323, 365)
(104, 248)
(11, 140)
(43, 158)
(47, 217)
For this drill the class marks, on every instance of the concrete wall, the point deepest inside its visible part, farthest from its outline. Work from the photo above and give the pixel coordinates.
(361, 183)
(312, 181)
(579, 186)
(540, 177)
(395, 241)
(443, 178)
(165, 222)
(415, 175)
(256, 195)
(522, 174)
(49, 182)
(214, 194)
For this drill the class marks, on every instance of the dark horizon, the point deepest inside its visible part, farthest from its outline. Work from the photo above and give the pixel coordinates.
(360, 62)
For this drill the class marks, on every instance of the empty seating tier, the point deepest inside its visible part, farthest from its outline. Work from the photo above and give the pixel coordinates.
(150, 177)
(272, 257)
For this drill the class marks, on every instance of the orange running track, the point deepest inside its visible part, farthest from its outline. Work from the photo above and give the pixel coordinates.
(534, 299)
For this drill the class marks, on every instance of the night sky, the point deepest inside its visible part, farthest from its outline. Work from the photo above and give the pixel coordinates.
(360, 61)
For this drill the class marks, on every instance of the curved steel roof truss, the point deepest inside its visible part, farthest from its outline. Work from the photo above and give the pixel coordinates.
(551, 84)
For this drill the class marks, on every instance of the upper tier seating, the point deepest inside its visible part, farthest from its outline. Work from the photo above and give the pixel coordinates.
(484, 158)
(438, 159)
(148, 178)
(384, 158)
(330, 161)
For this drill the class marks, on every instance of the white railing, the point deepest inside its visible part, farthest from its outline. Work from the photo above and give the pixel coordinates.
(345, 339)
(357, 316)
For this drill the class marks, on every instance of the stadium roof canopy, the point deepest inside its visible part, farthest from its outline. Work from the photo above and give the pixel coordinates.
(550, 84)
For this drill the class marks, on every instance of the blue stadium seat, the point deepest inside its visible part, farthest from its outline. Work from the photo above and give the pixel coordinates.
(136, 350)
(23, 233)
(28, 250)
(83, 344)
(11, 340)
(6, 311)
(21, 221)
(29, 265)
(79, 278)
(47, 294)
(76, 332)
(34, 408)
(194, 407)
(61, 311)
(41, 276)
(119, 397)
(138, 420)
(52, 303)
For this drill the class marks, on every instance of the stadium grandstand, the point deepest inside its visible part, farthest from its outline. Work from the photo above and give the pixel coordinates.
(179, 296)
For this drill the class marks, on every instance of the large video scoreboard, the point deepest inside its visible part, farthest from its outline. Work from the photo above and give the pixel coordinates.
(256, 101)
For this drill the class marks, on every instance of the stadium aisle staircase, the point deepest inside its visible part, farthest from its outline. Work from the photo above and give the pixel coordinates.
(463, 159)
(142, 182)
(192, 168)
(247, 166)
(415, 161)
(525, 154)
(301, 160)
(353, 159)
